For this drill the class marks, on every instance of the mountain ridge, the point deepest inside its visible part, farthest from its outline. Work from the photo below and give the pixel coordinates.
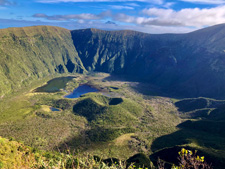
(189, 64)
(175, 62)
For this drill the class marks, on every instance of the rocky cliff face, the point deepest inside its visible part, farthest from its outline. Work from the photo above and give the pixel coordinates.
(185, 64)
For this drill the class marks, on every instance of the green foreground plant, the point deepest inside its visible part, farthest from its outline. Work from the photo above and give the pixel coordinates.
(16, 155)
(187, 160)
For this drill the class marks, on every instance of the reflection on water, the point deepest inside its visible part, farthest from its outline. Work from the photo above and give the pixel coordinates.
(83, 89)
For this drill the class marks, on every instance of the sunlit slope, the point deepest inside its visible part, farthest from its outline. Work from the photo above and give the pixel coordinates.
(187, 65)
(33, 52)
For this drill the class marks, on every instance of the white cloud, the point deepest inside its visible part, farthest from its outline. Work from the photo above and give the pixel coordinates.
(185, 17)
(83, 16)
(154, 20)
(124, 18)
(183, 20)
(146, 28)
(162, 29)
(216, 2)
(169, 20)
(82, 24)
(168, 4)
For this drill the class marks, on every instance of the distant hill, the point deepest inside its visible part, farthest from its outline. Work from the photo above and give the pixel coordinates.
(187, 65)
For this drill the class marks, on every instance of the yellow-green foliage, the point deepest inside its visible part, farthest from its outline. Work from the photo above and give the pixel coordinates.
(188, 159)
(15, 155)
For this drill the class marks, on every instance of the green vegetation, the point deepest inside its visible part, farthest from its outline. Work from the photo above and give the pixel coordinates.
(16, 155)
(109, 127)
(113, 112)
(127, 117)
(200, 108)
(31, 53)
(203, 132)
(187, 159)
(184, 65)
(55, 85)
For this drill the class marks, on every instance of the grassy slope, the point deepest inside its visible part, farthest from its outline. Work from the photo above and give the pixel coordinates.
(16, 155)
(189, 65)
(119, 128)
(30, 53)
(24, 118)
(201, 130)
(102, 110)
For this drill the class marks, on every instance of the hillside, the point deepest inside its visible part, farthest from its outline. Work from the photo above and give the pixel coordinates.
(188, 65)
(140, 104)
(119, 126)
(31, 53)
(17, 155)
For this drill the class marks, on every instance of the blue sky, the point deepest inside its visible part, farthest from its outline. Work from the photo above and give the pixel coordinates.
(151, 16)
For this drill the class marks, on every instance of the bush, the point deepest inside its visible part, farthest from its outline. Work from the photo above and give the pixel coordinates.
(188, 160)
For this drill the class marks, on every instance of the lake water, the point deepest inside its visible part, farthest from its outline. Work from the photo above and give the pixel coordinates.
(54, 109)
(57, 84)
(54, 85)
(83, 89)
